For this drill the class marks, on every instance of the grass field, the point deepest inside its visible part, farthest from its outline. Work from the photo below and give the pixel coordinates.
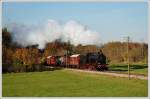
(141, 69)
(70, 83)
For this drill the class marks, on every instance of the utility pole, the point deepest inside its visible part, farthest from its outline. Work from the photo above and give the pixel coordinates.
(67, 59)
(128, 60)
(67, 52)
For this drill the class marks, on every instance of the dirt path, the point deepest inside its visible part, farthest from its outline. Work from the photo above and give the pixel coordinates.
(111, 74)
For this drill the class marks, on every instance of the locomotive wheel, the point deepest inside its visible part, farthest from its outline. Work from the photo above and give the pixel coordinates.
(101, 68)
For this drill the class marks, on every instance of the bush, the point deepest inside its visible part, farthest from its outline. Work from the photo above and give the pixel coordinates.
(7, 68)
(38, 68)
(17, 65)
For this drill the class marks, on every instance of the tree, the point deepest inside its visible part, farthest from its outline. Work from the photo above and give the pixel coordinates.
(6, 37)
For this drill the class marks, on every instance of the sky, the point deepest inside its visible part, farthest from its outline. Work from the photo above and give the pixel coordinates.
(113, 21)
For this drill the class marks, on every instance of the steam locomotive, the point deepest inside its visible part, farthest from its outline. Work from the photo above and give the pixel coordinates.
(90, 61)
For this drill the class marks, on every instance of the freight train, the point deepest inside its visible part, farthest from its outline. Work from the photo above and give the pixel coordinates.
(91, 61)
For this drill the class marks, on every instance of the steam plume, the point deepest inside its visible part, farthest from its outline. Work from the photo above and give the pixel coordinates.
(52, 30)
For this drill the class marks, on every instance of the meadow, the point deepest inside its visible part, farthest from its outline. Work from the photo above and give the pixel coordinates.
(65, 83)
(135, 68)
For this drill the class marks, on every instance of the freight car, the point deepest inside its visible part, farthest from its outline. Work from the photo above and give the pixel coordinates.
(53, 60)
(77, 60)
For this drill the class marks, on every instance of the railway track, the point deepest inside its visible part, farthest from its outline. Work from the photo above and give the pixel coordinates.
(110, 74)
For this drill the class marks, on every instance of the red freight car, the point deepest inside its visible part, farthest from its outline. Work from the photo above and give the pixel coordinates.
(77, 60)
(51, 60)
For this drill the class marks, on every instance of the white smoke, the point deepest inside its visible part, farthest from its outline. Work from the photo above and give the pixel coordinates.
(52, 30)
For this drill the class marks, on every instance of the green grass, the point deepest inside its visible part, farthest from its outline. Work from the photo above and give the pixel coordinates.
(140, 69)
(70, 83)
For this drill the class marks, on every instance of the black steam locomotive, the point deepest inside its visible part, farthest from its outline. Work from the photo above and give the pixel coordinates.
(99, 59)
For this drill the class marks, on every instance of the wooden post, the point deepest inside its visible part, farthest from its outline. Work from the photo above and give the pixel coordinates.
(66, 59)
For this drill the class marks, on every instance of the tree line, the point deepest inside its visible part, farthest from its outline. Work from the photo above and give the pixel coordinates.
(18, 58)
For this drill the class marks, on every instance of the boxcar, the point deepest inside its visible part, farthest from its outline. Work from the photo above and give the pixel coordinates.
(77, 60)
(51, 60)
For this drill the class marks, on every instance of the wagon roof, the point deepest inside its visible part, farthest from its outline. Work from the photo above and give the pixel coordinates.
(75, 55)
(49, 56)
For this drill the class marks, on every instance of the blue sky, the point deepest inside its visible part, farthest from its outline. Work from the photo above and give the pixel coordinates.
(113, 21)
